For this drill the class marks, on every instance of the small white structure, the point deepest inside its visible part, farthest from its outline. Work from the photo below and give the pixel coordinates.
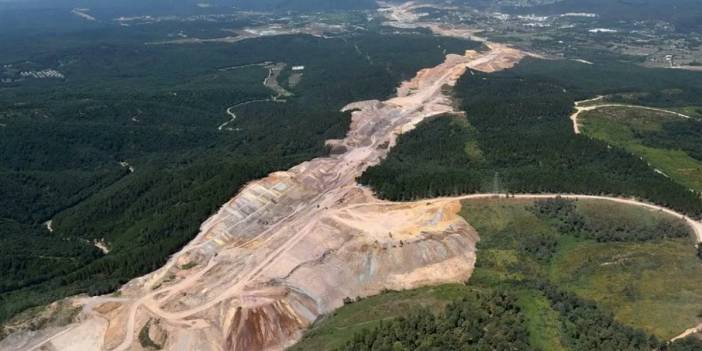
(602, 30)
(43, 74)
(579, 14)
(298, 68)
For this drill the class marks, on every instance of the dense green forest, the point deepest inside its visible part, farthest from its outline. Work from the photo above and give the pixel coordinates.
(518, 299)
(490, 322)
(563, 213)
(626, 82)
(517, 137)
(158, 109)
(439, 158)
(678, 135)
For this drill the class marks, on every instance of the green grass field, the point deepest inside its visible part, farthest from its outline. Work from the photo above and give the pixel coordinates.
(652, 285)
(542, 321)
(619, 126)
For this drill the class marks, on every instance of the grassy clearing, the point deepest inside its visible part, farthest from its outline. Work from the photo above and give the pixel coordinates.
(542, 321)
(188, 265)
(652, 285)
(619, 126)
(605, 212)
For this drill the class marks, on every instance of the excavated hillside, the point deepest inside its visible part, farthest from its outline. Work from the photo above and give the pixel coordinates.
(292, 246)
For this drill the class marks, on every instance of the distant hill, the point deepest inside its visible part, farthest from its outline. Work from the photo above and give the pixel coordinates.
(260, 5)
(685, 15)
(306, 5)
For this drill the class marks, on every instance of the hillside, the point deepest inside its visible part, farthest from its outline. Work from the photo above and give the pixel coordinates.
(538, 285)
(305, 5)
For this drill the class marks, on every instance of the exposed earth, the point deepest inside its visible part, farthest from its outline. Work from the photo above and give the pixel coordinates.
(288, 248)
(295, 245)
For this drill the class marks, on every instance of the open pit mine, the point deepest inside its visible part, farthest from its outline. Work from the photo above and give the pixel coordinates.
(292, 246)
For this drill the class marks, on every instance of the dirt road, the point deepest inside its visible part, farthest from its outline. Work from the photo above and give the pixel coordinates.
(270, 82)
(694, 330)
(404, 16)
(579, 109)
(695, 225)
(232, 115)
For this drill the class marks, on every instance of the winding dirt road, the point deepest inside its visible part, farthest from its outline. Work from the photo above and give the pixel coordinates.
(694, 330)
(579, 109)
(695, 225)
(270, 82)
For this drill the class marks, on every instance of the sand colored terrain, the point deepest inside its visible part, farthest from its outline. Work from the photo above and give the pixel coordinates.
(288, 249)
(405, 16)
(319, 30)
(692, 331)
